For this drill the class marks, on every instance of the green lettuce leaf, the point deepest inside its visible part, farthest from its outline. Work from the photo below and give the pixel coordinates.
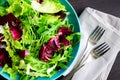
(18, 7)
(48, 6)
(38, 27)
(2, 11)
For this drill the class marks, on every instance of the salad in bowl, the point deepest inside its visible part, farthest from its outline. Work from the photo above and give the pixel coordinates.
(36, 38)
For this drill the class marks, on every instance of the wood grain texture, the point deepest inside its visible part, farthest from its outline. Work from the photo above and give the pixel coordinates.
(108, 6)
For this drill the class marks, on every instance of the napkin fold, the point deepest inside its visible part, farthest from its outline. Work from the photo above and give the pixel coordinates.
(98, 69)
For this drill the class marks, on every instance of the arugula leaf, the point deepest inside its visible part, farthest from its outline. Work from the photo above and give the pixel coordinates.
(2, 11)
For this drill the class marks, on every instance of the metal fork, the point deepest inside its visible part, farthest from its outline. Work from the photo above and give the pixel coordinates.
(92, 40)
(96, 53)
(96, 34)
(100, 50)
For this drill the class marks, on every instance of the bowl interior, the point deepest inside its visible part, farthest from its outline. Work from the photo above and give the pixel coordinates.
(73, 19)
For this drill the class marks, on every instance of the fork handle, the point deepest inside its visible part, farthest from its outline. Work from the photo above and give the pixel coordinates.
(85, 55)
(70, 75)
(80, 62)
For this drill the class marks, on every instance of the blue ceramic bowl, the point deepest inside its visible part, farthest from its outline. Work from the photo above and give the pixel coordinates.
(73, 18)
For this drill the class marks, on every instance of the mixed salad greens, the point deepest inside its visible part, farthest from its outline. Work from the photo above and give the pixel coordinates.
(36, 38)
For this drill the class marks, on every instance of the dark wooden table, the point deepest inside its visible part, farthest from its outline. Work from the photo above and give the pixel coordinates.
(108, 6)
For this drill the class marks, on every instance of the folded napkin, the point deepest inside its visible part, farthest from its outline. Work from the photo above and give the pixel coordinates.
(98, 69)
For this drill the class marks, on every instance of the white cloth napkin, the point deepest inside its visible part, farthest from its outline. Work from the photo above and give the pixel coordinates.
(99, 69)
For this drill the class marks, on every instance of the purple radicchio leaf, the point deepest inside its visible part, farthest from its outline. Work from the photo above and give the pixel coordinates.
(11, 19)
(13, 23)
(4, 58)
(54, 43)
(48, 49)
(40, 1)
(62, 14)
(23, 53)
(45, 53)
(64, 41)
(16, 32)
(64, 31)
(3, 20)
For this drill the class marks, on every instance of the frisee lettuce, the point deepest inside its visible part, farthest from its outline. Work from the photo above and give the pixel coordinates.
(38, 29)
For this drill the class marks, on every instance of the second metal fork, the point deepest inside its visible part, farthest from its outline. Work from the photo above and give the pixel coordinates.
(96, 53)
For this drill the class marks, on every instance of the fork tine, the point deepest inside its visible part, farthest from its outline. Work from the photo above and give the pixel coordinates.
(99, 46)
(100, 50)
(96, 34)
(106, 49)
(100, 33)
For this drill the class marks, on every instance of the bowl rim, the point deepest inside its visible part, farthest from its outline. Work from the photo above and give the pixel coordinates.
(72, 64)
(76, 58)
